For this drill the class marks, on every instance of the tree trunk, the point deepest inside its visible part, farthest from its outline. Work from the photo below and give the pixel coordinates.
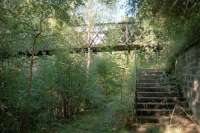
(88, 59)
(90, 27)
(32, 64)
(126, 34)
(128, 55)
(31, 68)
(24, 122)
(64, 108)
(25, 114)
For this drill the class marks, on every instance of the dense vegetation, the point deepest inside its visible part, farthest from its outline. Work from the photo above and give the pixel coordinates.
(54, 93)
(39, 94)
(174, 23)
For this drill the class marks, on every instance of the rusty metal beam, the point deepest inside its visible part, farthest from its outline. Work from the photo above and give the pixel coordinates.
(115, 48)
(93, 49)
(106, 24)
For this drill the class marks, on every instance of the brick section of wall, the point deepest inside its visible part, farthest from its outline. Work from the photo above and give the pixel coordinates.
(188, 72)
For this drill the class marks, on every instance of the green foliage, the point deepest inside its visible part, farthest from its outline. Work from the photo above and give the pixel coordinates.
(21, 21)
(95, 122)
(113, 37)
(174, 24)
(61, 86)
(56, 80)
(107, 73)
(153, 130)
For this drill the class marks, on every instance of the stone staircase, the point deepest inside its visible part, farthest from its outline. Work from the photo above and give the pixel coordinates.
(156, 99)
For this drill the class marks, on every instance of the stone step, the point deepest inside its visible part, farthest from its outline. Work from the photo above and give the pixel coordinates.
(148, 81)
(153, 119)
(148, 77)
(153, 105)
(160, 99)
(157, 94)
(153, 112)
(164, 119)
(147, 119)
(148, 85)
(155, 99)
(164, 86)
(160, 112)
(156, 89)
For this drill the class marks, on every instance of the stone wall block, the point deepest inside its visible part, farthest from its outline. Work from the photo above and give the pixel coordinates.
(188, 72)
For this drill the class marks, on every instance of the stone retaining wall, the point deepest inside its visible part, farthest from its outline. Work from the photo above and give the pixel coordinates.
(187, 70)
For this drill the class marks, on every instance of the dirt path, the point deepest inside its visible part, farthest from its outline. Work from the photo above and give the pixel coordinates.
(178, 125)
